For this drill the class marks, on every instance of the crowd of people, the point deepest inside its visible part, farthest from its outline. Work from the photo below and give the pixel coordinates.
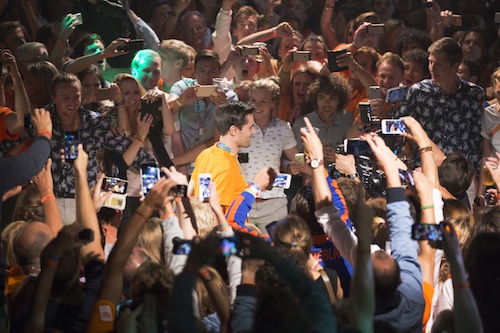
(250, 166)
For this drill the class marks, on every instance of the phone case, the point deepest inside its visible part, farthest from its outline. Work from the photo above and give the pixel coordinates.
(332, 61)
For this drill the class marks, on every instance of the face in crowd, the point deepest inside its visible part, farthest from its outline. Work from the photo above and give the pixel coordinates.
(148, 71)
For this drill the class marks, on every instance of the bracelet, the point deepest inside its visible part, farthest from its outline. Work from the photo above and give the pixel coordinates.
(47, 132)
(352, 176)
(179, 103)
(225, 224)
(119, 104)
(425, 149)
(427, 207)
(459, 286)
(275, 33)
(47, 197)
(254, 187)
(139, 137)
(141, 214)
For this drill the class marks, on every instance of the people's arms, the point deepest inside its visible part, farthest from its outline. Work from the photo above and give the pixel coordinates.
(486, 153)
(85, 211)
(166, 114)
(221, 37)
(465, 312)
(363, 285)
(434, 21)
(143, 29)
(283, 30)
(168, 28)
(143, 126)
(68, 25)
(83, 62)
(219, 297)
(326, 25)
(43, 181)
(365, 77)
(31, 15)
(15, 121)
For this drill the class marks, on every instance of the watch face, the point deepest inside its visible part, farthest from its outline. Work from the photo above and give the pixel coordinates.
(315, 163)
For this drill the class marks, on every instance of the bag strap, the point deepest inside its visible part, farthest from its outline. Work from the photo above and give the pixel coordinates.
(493, 131)
(328, 285)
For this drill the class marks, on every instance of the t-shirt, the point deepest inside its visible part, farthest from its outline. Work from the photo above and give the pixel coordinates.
(490, 119)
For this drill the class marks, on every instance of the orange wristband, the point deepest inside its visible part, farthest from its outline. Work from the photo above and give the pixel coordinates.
(47, 197)
(49, 133)
(103, 55)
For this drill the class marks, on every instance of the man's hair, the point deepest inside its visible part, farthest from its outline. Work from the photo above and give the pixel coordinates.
(206, 55)
(146, 53)
(370, 17)
(173, 49)
(386, 275)
(419, 57)
(474, 68)
(232, 113)
(393, 59)
(245, 11)
(333, 85)
(489, 221)
(371, 53)
(449, 48)
(84, 41)
(186, 16)
(409, 35)
(29, 254)
(455, 174)
(63, 78)
(314, 39)
(303, 205)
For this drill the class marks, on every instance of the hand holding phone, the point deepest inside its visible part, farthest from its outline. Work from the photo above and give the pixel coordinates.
(332, 60)
(393, 126)
(282, 180)
(204, 180)
(357, 147)
(150, 174)
(71, 141)
(430, 232)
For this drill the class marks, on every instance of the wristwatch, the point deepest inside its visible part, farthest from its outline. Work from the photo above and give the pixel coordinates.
(315, 163)
(352, 176)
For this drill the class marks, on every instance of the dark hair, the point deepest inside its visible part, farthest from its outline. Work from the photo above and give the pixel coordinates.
(444, 322)
(206, 55)
(67, 273)
(333, 85)
(474, 68)
(187, 15)
(312, 40)
(449, 47)
(409, 35)
(232, 113)
(63, 78)
(387, 277)
(489, 221)
(350, 190)
(303, 205)
(151, 7)
(92, 69)
(83, 42)
(419, 57)
(455, 174)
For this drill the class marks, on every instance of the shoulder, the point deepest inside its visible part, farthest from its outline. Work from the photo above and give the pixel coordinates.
(182, 85)
(472, 88)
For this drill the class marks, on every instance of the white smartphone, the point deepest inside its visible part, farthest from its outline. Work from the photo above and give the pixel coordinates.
(204, 180)
(78, 19)
(282, 180)
(150, 174)
(393, 126)
(300, 157)
(395, 94)
(301, 56)
(206, 91)
(375, 92)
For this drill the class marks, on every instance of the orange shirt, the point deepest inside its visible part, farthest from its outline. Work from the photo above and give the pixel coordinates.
(428, 291)
(4, 133)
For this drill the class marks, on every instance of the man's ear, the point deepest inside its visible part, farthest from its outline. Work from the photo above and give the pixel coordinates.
(233, 130)
(179, 63)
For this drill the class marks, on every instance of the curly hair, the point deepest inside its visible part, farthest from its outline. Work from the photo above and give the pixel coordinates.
(333, 85)
(409, 35)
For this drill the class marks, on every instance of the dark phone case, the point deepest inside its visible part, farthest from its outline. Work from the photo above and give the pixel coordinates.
(332, 61)
(153, 109)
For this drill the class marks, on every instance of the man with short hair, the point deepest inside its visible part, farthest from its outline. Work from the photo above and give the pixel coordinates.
(448, 108)
(235, 123)
(146, 68)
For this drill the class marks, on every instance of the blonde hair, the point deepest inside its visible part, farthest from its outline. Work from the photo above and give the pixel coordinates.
(269, 84)
(205, 303)
(292, 236)
(8, 235)
(151, 239)
(495, 77)
(205, 219)
(120, 78)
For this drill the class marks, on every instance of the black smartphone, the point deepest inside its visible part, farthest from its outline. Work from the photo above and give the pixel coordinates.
(151, 108)
(178, 191)
(115, 185)
(428, 4)
(230, 246)
(150, 174)
(430, 232)
(270, 228)
(182, 246)
(27, 121)
(243, 157)
(332, 61)
(85, 236)
(132, 45)
(365, 112)
(357, 147)
(71, 141)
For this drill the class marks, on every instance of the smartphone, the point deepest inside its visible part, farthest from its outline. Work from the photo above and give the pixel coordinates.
(116, 201)
(357, 147)
(104, 94)
(270, 228)
(132, 45)
(393, 126)
(428, 4)
(365, 112)
(300, 157)
(395, 94)
(497, 17)
(115, 185)
(332, 60)
(375, 92)
(204, 180)
(230, 246)
(27, 121)
(243, 158)
(85, 236)
(71, 141)
(430, 232)
(150, 174)
(178, 191)
(151, 108)
(182, 246)
(78, 19)
(406, 178)
(282, 180)
(249, 51)
(206, 91)
(375, 29)
(301, 56)
(453, 20)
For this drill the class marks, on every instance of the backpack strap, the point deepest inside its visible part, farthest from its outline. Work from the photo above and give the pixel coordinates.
(328, 285)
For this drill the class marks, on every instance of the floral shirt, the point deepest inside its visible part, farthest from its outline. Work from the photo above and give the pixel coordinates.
(94, 133)
(452, 122)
